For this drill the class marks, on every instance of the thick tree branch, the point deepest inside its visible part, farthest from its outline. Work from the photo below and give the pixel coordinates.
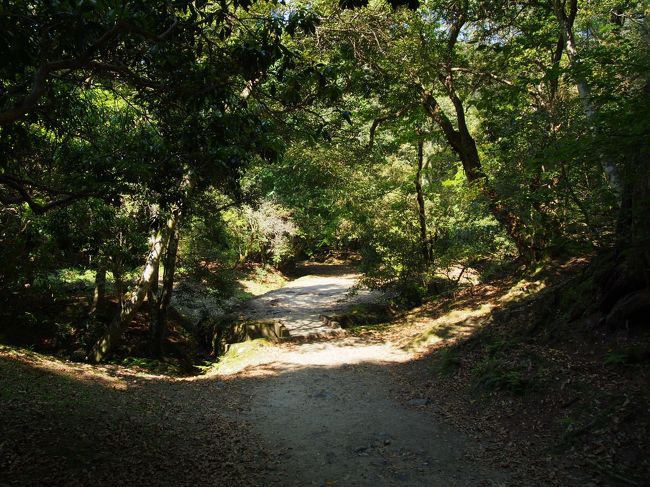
(433, 109)
(24, 196)
(379, 120)
(85, 60)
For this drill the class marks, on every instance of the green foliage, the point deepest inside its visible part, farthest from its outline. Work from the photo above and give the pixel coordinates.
(279, 130)
(236, 235)
(494, 375)
(501, 370)
(164, 367)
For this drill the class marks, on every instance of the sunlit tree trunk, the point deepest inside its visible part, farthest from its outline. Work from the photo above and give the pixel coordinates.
(462, 142)
(159, 316)
(153, 301)
(134, 299)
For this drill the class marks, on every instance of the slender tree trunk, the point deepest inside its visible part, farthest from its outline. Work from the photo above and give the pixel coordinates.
(426, 254)
(99, 294)
(153, 301)
(566, 21)
(118, 280)
(133, 301)
(159, 327)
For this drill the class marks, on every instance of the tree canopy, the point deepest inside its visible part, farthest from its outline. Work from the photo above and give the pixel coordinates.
(420, 135)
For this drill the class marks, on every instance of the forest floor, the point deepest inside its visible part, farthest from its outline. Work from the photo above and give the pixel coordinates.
(372, 406)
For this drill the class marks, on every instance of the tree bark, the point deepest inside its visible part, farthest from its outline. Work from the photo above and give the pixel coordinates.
(631, 269)
(464, 145)
(99, 294)
(133, 301)
(159, 326)
(424, 243)
(118, 279)
(153, 301)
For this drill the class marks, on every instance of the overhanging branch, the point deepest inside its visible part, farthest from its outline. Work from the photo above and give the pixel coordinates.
(379, 120)
(85, 60)
(24, 195)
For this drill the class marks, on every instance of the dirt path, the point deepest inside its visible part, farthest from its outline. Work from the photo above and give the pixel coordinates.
(330, 409)
(302, 304)
(327, 413)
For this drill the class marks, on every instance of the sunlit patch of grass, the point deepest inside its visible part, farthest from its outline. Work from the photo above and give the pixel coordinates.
(76, 276)
(239, 356)
(462, 322)
(62, 281)
(456, 323)
(522, 289)
(78, 279)
(261, 280)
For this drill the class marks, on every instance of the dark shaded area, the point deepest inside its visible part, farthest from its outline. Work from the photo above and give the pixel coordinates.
(58, 431)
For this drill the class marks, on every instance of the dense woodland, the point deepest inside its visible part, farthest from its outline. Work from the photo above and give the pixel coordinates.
(148, 143)
(144, 140)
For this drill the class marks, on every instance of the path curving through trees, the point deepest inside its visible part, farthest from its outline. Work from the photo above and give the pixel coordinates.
(323, 412)
(331, 410)
(304, 304)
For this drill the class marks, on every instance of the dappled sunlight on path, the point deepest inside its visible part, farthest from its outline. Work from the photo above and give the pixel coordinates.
(328, 353)
(332, 411)
(304, 304)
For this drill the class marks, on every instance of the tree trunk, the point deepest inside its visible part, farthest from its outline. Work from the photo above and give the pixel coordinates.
(464, 145)
(159, 326)
(153, 301)
(630, 272)
(99, 294)
(566, 25)
(118, 279)
(133, 301)
(424, 244)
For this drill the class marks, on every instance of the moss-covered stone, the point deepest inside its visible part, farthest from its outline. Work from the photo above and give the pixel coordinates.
(228, 331)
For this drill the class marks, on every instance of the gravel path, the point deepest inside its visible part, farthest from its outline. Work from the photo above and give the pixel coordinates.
(331, 413)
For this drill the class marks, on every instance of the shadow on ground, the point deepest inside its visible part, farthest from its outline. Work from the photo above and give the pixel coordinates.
(288, 423)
